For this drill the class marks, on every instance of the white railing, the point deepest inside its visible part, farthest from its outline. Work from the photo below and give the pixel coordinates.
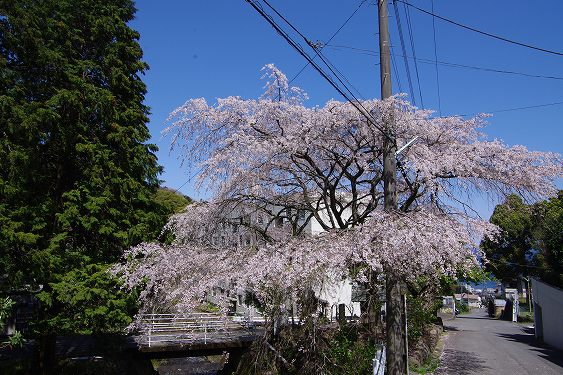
(379, 362)
(182, 328)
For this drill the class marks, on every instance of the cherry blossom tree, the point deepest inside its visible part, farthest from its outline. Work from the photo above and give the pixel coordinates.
(274, 165)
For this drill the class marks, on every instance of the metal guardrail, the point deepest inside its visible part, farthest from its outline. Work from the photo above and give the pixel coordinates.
(190, 327)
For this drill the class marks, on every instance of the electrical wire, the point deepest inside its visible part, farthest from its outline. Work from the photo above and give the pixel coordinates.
(401, 38)
(522, 108)
(319, 54)
(450, 64)
(343, 76)
(411, 37)
(330, 40)
(527, 107)
(436, 62)
(189, 179)
(356, 104)
(395, 68)
(483, 32)
(315, 48)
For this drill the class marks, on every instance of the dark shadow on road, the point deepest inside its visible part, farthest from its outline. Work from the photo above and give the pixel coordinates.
(545, 351)
(459, 362)
(450, 328)
(474, 317)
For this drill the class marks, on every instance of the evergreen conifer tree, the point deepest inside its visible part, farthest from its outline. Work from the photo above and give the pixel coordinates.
(77, 176)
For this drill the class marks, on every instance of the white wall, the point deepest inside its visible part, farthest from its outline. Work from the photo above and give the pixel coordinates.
(549, 315)
(337, 292)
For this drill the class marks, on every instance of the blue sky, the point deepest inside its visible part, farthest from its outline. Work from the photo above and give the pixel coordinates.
(214, 49)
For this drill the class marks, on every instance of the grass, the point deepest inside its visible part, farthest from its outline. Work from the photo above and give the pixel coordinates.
(526, 317)
(433, 361)
(428, 367)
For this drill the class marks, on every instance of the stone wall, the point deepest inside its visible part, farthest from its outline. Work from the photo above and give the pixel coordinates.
(548, 313)
(423, 348)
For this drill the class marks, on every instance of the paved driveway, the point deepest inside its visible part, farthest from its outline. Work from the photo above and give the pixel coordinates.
(476, 344)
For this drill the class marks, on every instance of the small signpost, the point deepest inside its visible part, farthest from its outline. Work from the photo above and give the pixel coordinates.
(515, 307)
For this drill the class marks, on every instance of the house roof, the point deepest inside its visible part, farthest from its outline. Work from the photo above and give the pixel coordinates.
(467, 296)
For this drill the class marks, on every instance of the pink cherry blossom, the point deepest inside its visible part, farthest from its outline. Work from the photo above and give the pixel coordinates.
(298, 195)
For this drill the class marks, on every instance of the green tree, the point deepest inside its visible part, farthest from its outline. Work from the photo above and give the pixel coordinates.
(15, 339)
(171, 201)
(77, 178)
(549, 239)
(512, 256)
(531, 241)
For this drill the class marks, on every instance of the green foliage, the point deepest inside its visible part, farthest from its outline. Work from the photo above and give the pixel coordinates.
(208, 307)
(421, 311)
(531, 242)
(509, 256)
(462, 307)
(428, 367)
(309, 348)
(526, 317)
(549, 235)
(6, 305)
(350, 353)
(171, 201)
(77, 178)
(90, 300)
(476, 275)
(15, 340)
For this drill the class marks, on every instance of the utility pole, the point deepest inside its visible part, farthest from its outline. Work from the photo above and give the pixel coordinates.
(396, 345)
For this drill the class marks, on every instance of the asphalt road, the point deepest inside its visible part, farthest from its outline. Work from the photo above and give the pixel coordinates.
(476, 344)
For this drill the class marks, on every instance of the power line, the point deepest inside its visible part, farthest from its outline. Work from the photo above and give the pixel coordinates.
(318, 52)
(482, 32)
(436, 61)
(343, 76)
(526, 107)
(330, 40)
(492, 70)
(189, 179)
(509, 109)
(411, 37)
(451, 64)
(300, 50)
(393, 63)
(395, 68)
(399, 27)
(308, 63)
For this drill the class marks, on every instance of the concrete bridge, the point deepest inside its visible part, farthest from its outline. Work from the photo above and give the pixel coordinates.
(196, 335)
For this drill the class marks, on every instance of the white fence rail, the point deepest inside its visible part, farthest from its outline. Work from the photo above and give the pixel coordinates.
(182, 328)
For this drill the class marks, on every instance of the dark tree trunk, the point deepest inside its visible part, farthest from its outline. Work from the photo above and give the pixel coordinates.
(47, 355)
(373, 304)
(396, 350)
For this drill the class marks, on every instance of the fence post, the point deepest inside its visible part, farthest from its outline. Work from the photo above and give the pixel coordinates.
(150, 330)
